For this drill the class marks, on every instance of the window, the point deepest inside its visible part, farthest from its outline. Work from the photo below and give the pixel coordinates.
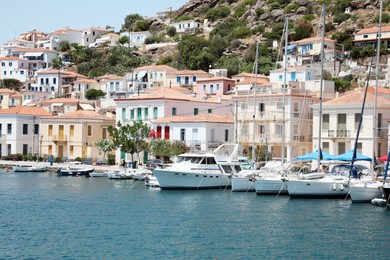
(146, 113)
(50, 130)
(296, 109)
(204, 88)
(174, 111)
(278, 130)
(217, 87)
(71, 130)
(211, 88)
(341, 148)
(194, 79)
(196, 111)
(25, 129)
(261, 129)
(3, 64)
(139, 113)
(155, 112)
(1, 129)
(89, 130)
(123, 114)
(25, 149)
(50, 149)
(104, 133)
(325, 122)
(9, 128)
(132, 114)
(280, 77)
(279, 105)
(226, 135)
(178, 79)
(71, 150)
(359, 148)
(243, 105)
(54, 81)
(262, 108)
(342, 122)
(209, 110)
(325, 147)
(182, 134)
(10, 64)
(357, 119)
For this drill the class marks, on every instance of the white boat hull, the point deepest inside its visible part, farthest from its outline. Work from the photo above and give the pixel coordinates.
(151, 181)
(318, 188)
(365, 192)
(171, 179)
(242, 184)
(271, 186)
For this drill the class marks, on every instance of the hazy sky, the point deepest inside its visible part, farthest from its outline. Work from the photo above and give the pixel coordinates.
(21, 16)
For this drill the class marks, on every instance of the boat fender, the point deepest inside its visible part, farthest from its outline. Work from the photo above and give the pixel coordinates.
(341, 186)
(334, 186)
(7, 169)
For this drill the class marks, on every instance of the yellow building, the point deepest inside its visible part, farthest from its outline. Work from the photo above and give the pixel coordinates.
(74, 134)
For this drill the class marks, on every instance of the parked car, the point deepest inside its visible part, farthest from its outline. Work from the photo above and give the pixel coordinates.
(153, 164)
(101, 161)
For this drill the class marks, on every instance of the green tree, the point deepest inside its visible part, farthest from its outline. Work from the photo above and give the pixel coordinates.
(93, 94)
(141, 25)
(303, 29)
(64, 46)
(130, 21)
(57, 63)
(130, 138)
(190, 47)
(14, 84)
(104, 145)
(124, 40)
(162, 148)
(171, 31)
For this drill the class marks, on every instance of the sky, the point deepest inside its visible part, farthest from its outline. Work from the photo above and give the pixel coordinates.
(22, 16)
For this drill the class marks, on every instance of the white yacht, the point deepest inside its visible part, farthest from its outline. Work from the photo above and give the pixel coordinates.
(365, 190)
(201, 170)
(272, 179)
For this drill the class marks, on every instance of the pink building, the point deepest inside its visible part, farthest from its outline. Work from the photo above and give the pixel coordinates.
(214, 86)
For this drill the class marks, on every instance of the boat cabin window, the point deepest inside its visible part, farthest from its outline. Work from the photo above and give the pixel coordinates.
(237, 168)
(209, 160)
(189, 159)
(227, 168)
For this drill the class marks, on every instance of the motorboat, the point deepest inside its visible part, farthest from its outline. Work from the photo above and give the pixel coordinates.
(68, 171)
(243, 180)
(364, 190)
(151, 181)
(32, 168)
(119, 175)
(138, 174)
(99, 174)
(209, 170)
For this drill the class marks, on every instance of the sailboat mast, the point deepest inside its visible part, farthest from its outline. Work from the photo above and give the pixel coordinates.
(254, 105)
(284, 86)
(378, 52)
(321, 84)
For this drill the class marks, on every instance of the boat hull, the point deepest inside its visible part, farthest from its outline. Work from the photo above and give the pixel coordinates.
(365, 192)
(271, 186)
(74, 172)
(30, 169)
(182, 180)
(317, 189)
(243, 184)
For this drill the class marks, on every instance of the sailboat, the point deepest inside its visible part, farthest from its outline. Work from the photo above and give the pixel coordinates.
(272, 180)
(323, 185)
(365, 190)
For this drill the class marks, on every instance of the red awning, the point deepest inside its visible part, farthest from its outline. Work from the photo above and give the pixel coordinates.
(383, 158)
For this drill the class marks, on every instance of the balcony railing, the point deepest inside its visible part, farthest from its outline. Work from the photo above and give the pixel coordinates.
(339, 133)
(58, 138)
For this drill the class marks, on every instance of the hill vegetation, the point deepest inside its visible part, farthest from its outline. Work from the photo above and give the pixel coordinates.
(236, 26)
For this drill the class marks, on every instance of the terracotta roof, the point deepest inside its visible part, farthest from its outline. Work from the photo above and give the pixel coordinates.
(63, 100)
(191, 72)
(373, 30)
(110, 35)
(85, 81)
(216, 79)
(260, 81)
(161, 93)
(246, 74)
(34, 50)
(312, 39)
(356, 97)
(200, 118)
(153, 67)
(110, 77)
(6, 90)
(85, 114)
(24, 110)
(12, 58)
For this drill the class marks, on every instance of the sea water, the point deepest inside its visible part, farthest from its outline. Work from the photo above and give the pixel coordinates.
(43, 216)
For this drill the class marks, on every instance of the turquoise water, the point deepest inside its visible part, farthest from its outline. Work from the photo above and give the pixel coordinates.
(47, 217)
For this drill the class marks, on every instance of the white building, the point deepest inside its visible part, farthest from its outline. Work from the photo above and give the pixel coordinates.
(15, 68)
(189, 26)
(201, 132)
(64, 34)
(90, 35)
(19, 130)
(152, 76)
(17, 44)
(137, 39)
(263, 124)
(165, 102)
(340, 120)
(106, 40)
(38, 58)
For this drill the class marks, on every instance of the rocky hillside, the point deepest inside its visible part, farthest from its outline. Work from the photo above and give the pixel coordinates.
(268, 12)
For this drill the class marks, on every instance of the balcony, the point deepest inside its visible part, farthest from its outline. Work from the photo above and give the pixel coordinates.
(299, 138)
(339, 133)
(58, 138)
